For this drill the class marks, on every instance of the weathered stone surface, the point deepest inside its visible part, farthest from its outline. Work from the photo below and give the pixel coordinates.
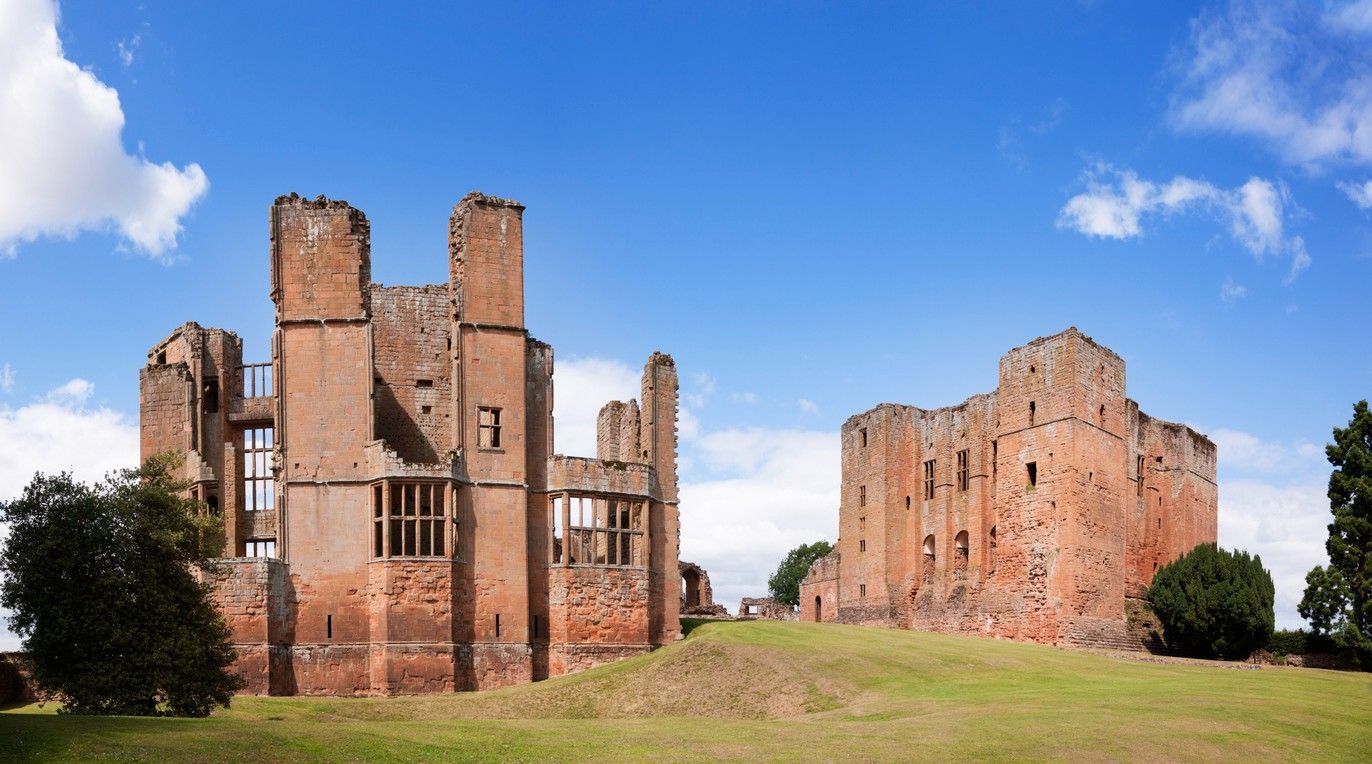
(433, 404)
(1020, 513)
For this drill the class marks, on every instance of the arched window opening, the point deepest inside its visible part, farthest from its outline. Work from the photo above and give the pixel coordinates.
(960, 552)
(690, 588)
(818, 611)
(928, 557)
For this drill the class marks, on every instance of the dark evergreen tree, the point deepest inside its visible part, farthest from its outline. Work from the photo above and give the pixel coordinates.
(111, 616)
(1338, 599)
(1214, 603)
(784, 584)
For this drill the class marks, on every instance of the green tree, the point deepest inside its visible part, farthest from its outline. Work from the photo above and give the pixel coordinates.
(784, 584)
(110, 614)
(1338, 599)
(1214, 603)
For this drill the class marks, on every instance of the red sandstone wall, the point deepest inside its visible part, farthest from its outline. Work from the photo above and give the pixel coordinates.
(1064, 546)
(596, 615)
(411, 352)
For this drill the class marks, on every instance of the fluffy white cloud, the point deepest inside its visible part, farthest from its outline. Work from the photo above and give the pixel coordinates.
(1229, 291)
(581, 386)
(1360, 193)
(761, 493)
(62, 431)
(1116, 201)
(1285, 525)
(1243, 453)
(63, 168)
(1285, 73)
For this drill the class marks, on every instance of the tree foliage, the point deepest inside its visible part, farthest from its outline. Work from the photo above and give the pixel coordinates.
(100, 580)
(1338, 598)
(1214, 603)
(784, 584)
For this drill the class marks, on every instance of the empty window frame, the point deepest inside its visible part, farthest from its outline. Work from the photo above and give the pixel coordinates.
(862, 590)
(599, 530)
(862, 545)
(862, 496)
(1032, 473)
(410, 519)
(1139, 487)
(962, 470)
(487, 427)
(1033, 409)
(862, 437)
(259, 490)
(991, 552)
(260, 548)
(209, 397)
(929, 479)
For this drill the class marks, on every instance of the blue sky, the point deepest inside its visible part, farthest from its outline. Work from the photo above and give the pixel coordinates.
(813, 207)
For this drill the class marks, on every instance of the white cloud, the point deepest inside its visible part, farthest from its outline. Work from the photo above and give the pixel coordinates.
(807, 406)
(745, 397)
(1286, 526)
(6, 379)
(702, 386)
(1116, 201)
(1282, 73)
(62, 431)
(63, 168)
(127, 48)
(581, 386)
(1360, 193)
(1247, 454)
(761, 493)
(1230, 292)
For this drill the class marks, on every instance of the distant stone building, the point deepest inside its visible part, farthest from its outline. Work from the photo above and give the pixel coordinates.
(697, 596)
(396, 519)
(1029, 513)
(764, 608)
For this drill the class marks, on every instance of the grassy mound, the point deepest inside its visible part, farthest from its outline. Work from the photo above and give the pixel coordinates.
(779, 691)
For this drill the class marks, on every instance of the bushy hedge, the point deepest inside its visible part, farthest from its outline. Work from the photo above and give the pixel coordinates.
(1214, 603)
(1298, 642)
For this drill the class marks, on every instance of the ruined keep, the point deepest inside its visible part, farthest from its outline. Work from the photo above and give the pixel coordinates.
(1031, 513)
(396, 520)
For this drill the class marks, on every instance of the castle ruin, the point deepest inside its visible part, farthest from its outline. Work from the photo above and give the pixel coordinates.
(396, 520)
(1032, 512)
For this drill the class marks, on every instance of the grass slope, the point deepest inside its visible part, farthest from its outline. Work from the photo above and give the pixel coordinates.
(778, 691)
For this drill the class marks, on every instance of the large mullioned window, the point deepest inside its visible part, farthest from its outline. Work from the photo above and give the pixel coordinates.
(259, 492)
(598, 530)
(410, 519)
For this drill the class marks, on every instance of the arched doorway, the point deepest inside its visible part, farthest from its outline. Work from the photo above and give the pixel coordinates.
(690, 582)
(818, 610)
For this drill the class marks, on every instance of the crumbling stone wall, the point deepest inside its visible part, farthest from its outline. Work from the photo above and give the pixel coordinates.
(697, 596)
(411, 539)
(1017, 513)
(764, 608)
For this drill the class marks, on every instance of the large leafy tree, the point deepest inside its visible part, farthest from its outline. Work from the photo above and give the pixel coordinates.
(1214, 603)
(1338, 599)
(784, 584)
(112, 618)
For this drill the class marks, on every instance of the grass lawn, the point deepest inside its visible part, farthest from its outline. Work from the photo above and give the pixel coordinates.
(762, 690)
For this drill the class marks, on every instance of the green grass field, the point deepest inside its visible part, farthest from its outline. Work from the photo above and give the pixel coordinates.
(779, 691)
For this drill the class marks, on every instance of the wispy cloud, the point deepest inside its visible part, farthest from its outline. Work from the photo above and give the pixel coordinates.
(1117, 201)
(6, 379)
(63, 168)
(1359, 193)
(1231, 292)
(127, 48)
(1290, 74)
(807, 406)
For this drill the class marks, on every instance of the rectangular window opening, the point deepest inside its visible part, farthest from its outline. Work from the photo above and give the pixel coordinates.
(488, 427)
(963, 473)
(862, 496)
(497, 626)
(259, 488)
(1139, 487)
(328, 626)
(1033, 469)
(862, 437)
(210, 398)
(1032, 410)
(423, 383)
(862, 545)
(929, 479)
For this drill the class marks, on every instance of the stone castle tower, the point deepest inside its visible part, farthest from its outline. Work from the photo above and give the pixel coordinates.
(396, 520)
(1032, 512)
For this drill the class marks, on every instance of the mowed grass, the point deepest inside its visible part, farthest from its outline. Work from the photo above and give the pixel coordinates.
(782, 692)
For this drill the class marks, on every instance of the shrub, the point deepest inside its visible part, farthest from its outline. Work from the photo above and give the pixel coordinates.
(1214, 603)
